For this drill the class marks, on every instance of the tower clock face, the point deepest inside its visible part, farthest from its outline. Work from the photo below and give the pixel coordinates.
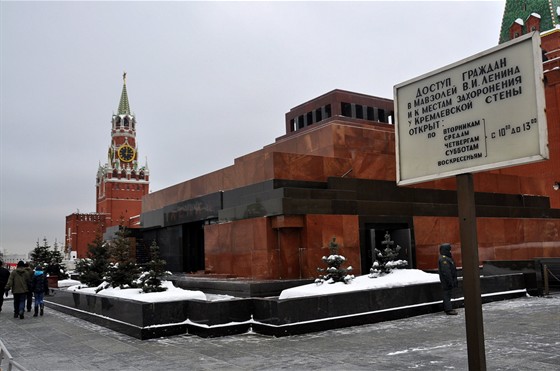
(126, 153)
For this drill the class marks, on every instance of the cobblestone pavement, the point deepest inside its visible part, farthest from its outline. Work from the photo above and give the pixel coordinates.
(520, 334)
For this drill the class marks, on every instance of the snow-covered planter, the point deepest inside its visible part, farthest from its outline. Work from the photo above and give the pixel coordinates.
(400, 294)
(155, 314)
(397, 278)
(308, 308)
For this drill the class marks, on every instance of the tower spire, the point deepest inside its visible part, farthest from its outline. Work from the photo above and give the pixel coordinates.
(124, 107)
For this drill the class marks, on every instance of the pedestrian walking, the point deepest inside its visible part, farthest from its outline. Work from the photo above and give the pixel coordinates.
(39, 287)
(4, 276)
(18, 282)
(29, 297)
(447, 276)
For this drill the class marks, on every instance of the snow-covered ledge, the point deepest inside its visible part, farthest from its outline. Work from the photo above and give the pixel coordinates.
(271, 315)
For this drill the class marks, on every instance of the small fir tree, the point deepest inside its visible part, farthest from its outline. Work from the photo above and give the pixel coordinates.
(150, 280)
(334, 272)
(56, 267)
(49, 259)
(386, 259)
(122, 270)
(41, 254)
(93, 269)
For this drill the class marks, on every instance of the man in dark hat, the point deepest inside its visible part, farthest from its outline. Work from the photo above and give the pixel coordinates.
(19, 284)
(447, 276)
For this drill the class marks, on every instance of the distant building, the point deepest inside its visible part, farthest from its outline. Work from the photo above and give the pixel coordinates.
(81, 230)
(11, 260)
(120, 185)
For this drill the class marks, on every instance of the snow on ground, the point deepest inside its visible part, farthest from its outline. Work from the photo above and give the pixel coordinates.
(397, 278)
(171, 294)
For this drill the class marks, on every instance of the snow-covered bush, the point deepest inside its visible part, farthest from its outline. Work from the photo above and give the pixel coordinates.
(334, 272)
(386, 259)
(154, 271)
(110, 265)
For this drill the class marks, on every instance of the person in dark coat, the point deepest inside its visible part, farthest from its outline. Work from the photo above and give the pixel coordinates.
(19, 284)
(4, 276)
(39, 287)
(447, 276)
(29, 297)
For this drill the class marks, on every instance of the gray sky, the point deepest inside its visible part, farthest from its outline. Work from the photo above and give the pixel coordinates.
(207, 81)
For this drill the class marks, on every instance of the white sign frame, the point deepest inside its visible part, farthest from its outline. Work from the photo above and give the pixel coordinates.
(464, 117)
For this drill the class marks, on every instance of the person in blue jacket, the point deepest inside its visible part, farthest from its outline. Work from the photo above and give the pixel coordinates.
(39, 287)
(447, 276)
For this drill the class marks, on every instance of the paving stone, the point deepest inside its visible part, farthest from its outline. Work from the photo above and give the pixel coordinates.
(520, 334)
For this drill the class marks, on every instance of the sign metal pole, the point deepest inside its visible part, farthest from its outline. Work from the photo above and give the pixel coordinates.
(471, 275)
(483, 113)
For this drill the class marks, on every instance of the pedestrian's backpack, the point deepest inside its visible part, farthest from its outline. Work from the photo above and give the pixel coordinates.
(40, 283)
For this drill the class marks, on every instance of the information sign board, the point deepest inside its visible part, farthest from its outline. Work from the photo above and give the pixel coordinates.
(482, 113)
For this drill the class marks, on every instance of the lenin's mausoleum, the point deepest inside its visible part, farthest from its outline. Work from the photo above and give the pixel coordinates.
(273, 212)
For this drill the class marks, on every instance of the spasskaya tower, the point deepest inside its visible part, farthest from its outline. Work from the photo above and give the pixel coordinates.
(120, 185)
(122, 181)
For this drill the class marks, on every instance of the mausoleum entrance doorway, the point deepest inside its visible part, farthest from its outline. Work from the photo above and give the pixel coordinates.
(380, 235)
(193, 247)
